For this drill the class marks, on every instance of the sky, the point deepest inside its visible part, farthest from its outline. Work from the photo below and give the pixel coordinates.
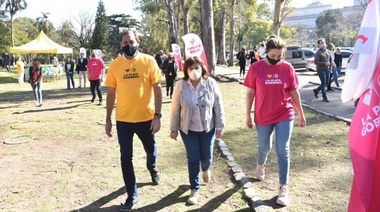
(67, 9)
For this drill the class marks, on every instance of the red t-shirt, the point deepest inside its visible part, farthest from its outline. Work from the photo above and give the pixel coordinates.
(95, 65)
(273, 84)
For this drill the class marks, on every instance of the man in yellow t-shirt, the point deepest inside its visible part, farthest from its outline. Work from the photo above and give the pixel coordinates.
(136, 79)
(20, 70)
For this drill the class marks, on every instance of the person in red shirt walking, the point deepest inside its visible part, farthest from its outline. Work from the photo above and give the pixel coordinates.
(96, 71)
(273, 85)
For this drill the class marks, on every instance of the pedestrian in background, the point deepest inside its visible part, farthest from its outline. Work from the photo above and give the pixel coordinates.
(322, 60)
(96, 70)
(20, 70)
(331, 48)
(81, 68)
(35, 80)
(135, 79)
(170, 69)
(242, 57)
(272, 84)
(198, 114)
(338, 59)
(69, 69)
(254, 55)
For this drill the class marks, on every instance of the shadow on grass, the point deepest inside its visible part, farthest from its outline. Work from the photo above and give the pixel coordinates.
(167, 201)
(49, 109)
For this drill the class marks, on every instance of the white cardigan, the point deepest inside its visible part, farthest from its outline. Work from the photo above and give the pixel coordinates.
(209, 101)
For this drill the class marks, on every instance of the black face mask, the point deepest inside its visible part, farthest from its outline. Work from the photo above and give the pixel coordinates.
(130, 50)
(273, 61)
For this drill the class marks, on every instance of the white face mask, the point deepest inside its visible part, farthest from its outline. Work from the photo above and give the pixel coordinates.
(195, 74)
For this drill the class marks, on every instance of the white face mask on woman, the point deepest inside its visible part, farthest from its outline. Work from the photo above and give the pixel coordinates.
(194, 74)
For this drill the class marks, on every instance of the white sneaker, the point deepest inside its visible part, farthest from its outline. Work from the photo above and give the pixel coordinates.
(283, 196)
(36, 103)
(206, 176)
(193, 198)
(260, 172)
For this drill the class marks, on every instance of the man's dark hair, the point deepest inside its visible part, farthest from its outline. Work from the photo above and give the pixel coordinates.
(320, 39)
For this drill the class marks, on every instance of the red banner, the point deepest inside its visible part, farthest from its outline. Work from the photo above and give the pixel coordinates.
(177, 55)
(194, 47)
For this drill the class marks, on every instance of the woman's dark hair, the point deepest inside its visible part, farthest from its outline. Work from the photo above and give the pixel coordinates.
(191, 61)
(36, 63)
(274, 42)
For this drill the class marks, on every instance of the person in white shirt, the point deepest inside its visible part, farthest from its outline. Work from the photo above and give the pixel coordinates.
(262, 51)
(198, 114)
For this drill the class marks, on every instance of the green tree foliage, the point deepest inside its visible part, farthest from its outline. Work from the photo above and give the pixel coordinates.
(116, 24)
(329, 25)
(100, 35)
(257, 32)
(25, 25)
(4, 39)
(264, 12)
(43, 24)
(12, 7)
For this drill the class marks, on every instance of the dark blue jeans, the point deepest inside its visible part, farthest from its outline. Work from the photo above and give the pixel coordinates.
(199, 149)
(324, 77)
(70, 76)
(125, 132)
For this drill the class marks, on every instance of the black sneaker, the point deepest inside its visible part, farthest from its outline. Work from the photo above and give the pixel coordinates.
(129, 203)
(155, 177)
(92, 100)
(315, 93)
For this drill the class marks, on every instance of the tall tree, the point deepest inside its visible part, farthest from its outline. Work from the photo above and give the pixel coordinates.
(232, 33)
(222, 35)
(281, 11)
(330, 24)
(12, 7)
(173, 32)
(43, 24)
(100, 35)
(118, 22)
(208, 33)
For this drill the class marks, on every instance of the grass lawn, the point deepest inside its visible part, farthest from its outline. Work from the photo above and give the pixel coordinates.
(72, 165)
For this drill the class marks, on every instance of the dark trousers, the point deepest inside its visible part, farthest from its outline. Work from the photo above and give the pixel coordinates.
(169, 85)
(95, 84)
(242, 69)
(70, 77)
(125, 132)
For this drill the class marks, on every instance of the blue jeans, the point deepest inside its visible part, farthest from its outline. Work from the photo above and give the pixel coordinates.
(199, 149)
(125, 132)
(283, 133)
(70, 76)
(336, 72)
(37, 91)
(324, 76)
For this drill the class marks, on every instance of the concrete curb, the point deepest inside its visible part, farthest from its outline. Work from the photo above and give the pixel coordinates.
(249, 191)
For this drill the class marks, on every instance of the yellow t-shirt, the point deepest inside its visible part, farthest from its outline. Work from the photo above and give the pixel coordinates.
(133, 80)
(20, 67)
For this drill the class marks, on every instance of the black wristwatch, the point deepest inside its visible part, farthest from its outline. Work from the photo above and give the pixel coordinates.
(159, 115)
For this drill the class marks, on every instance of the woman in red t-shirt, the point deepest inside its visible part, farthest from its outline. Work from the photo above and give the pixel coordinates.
(35, 80)
(273, 85)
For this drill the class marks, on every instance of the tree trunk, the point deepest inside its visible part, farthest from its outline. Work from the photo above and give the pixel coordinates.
(208, 34)
(276, 18)
(222, 38)
(12, 33)
(185, 18)
(232, 34)
(173, 38)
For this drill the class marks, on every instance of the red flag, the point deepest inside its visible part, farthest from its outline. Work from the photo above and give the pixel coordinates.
(177, 55)
(194, 47)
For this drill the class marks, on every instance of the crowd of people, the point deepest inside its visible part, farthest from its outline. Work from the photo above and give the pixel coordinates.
(197, 113)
